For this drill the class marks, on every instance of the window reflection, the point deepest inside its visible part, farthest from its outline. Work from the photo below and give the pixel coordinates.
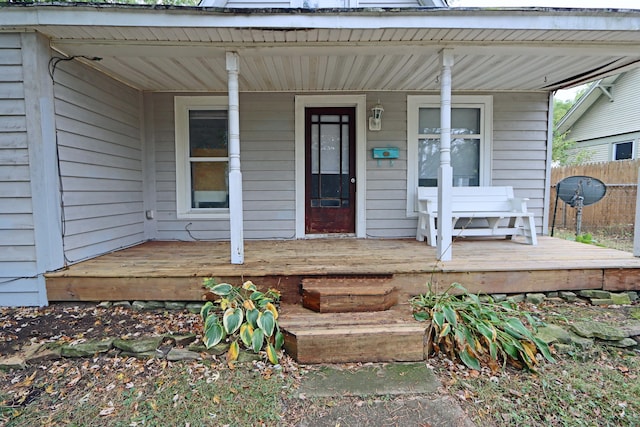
(465, 151)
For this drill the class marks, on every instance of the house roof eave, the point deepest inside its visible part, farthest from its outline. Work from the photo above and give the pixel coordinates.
(150, 47)
(582, 105)
(158, 16)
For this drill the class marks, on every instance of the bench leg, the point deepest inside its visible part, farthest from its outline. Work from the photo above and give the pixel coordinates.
(421, 227)
(493, 223)
(431, 222)
(530, 230)
(513, 223)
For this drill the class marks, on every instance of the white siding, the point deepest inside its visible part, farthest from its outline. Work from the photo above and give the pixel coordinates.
(17, 242)
(267, 157)
(598, 153)
(519, 146)
(268, 165)
(601, 149)
(605, 117)
(386, 180)
(99, 140)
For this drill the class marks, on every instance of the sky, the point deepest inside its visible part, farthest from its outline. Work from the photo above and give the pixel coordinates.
(568, 94)
(582, 4)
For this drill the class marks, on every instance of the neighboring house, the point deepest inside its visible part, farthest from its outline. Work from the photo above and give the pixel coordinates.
(605, 120)
(122, 124)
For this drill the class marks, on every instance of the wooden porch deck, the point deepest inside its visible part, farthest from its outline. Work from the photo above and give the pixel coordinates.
(174, 270)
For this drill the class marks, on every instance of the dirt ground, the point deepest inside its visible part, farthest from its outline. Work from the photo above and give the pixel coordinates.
(66, 322)
(69, 322)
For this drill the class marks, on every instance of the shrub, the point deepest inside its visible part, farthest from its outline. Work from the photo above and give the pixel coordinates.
(242, 315)
(478, 332)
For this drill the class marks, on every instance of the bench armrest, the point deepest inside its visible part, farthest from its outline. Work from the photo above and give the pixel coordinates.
(519, 204)
(427, 205)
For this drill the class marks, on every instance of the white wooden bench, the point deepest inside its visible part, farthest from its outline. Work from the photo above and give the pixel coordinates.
(497, 212)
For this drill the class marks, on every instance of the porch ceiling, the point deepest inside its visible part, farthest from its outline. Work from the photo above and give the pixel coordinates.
(505, 50)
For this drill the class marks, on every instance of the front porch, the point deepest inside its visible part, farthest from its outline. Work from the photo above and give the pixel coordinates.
(360, 287)
(174, 270)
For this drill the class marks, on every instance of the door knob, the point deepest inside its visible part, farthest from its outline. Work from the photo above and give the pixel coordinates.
(353, 180)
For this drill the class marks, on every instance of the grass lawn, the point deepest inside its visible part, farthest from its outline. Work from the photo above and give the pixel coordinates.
(595, 387)
(621, 239)
(109, 389)
(603, 390)
(130, 392)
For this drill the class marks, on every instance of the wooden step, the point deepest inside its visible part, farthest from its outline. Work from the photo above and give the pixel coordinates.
(338, 295)
(385, 336)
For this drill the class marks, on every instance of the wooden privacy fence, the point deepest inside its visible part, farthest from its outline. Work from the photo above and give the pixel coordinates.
(616, 211)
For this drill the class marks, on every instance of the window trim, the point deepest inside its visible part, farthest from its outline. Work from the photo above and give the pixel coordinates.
(615, 145)
(182, 106)
(414, 103)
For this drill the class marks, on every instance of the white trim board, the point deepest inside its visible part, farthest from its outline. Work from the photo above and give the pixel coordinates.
(182, 106)
(360, 103)
(528, 20)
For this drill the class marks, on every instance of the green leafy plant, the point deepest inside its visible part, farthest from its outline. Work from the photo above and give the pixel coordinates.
(478, 331)
(585, 238)
(242, 315)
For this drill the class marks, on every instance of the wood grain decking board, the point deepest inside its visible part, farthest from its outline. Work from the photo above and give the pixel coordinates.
(174, 270)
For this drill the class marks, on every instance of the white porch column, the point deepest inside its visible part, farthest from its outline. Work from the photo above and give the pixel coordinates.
(235, 174)
(445, 172)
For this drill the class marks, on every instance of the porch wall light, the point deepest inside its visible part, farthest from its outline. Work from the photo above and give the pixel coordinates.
(375, 121)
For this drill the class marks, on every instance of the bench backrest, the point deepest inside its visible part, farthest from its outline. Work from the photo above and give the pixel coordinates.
(470, 199)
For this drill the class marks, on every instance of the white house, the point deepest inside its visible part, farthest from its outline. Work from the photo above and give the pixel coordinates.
(122, 124)
(604, 121)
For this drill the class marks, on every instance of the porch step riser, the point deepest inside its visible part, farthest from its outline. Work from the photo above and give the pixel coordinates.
(348, 303)
(376, 344)
(383, 336)
(341, 295)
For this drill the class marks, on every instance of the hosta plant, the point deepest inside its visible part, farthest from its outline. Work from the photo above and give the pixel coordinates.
(244, 316)
(479, 331)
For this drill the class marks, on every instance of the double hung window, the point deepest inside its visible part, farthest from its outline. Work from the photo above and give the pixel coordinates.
(623, 150)
(202, 157)
(471, 118)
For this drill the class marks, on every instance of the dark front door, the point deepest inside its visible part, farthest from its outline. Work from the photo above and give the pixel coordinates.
(330, 170)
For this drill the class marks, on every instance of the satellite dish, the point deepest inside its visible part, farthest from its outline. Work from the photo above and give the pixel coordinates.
(591, 190)
(578, 191)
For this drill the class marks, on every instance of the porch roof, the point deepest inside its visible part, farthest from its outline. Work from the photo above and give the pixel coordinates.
(183, 48)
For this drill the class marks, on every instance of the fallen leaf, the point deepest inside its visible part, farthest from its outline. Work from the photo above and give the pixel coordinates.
(108, 410)
(74, 381)
(29, 380)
